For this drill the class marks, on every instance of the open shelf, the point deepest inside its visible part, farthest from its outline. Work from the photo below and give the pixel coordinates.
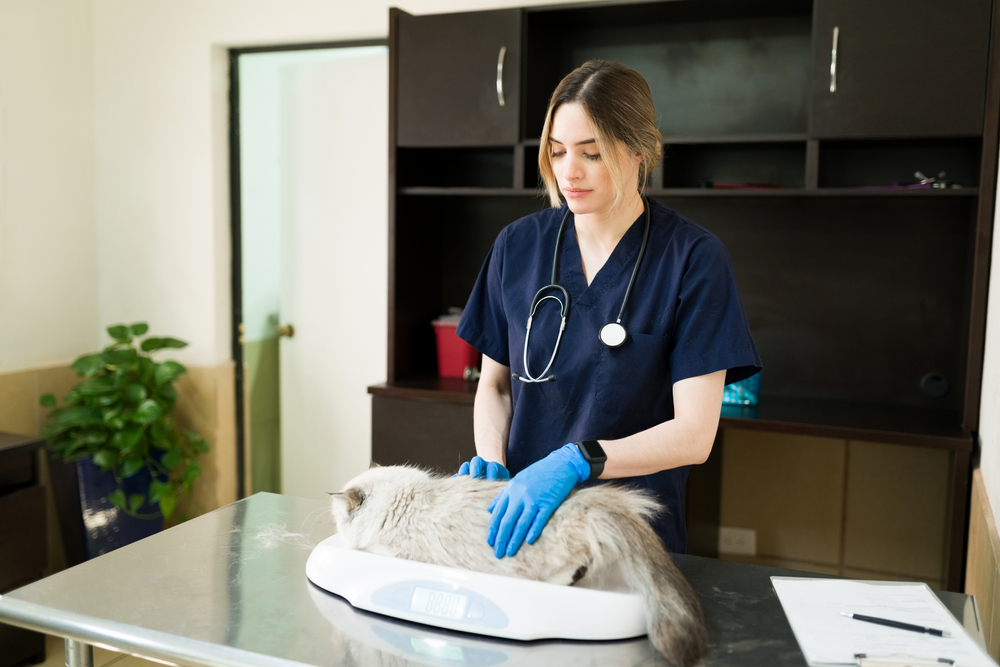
(849, 164)
(769, 165)
(481, 167)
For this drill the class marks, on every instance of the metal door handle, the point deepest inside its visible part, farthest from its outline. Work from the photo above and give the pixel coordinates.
(503, 53)
(833, 60)
(288, 331)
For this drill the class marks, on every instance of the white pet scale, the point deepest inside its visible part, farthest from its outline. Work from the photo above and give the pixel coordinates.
(468, 601)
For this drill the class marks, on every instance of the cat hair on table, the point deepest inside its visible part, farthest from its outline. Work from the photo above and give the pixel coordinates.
(406, 512)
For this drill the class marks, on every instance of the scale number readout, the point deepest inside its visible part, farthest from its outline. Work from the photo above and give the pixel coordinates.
(438, 603)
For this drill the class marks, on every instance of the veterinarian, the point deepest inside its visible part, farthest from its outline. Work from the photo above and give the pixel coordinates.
(608, 322)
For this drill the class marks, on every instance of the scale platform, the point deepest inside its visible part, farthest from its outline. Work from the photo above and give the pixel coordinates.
(485, 604)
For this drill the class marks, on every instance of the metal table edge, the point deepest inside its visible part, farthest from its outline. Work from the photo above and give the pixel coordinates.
(130, 639)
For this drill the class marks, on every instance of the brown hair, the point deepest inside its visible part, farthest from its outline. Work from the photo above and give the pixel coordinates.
(620, 106)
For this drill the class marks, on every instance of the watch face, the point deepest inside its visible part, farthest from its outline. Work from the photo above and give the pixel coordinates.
(593, 450)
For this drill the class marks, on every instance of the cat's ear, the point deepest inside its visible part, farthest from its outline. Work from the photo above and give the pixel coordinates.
(373, 465)
(348, 500)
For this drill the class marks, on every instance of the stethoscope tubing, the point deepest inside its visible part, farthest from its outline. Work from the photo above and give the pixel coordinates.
(564, 305)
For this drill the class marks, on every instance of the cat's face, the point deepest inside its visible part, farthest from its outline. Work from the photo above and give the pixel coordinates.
(360, 508)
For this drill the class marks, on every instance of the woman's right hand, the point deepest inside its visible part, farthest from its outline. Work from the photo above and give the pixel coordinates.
(483, 469)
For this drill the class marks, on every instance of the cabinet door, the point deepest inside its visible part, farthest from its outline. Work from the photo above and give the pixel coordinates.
(448, 71)
(903, 67)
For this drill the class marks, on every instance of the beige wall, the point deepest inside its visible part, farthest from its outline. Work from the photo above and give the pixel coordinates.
(989, 417)
(160, 82)
(983, 566)
(48, 236)
(205, 405)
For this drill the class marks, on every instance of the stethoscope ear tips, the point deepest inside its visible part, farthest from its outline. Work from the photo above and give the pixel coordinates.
(613, 334)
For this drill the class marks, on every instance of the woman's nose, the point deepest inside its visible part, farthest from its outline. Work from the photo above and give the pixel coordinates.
(571, 167)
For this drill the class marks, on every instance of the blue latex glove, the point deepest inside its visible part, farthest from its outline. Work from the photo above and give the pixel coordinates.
(524, 506)
(483, 469)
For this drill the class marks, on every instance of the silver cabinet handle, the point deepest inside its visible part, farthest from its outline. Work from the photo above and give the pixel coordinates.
(503, 52)
(833, 60)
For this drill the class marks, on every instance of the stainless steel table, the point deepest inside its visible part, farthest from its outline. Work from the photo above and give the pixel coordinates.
(228, 589)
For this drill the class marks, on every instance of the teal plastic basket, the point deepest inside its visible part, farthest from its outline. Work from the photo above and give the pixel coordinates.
(744, 392)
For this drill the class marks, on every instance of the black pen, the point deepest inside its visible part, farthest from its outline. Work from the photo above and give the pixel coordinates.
(897, 624)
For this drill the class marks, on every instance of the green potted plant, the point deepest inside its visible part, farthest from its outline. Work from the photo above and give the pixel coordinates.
(116, 428)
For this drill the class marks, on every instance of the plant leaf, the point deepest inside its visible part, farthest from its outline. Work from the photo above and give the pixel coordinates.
(198, 443)
(134, 393)
(88, 364)
(152, 344)
(135, 501)
(167, 504)
(126, 357)
(126, 438)
(117, 498)
(93, 437)
(147, 412)
(173, 343)
(191, 474)
(172, 458)
(139, 328)
(47, 401)
(120, 333)
(96, 385)
(158, 489)
(105, 459)
(168, 371)
(132, 466)
(76, 416)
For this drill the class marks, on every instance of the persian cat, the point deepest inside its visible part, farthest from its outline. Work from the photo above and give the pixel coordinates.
(409, 513)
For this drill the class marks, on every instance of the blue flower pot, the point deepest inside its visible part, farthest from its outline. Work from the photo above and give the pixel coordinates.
(105, 526)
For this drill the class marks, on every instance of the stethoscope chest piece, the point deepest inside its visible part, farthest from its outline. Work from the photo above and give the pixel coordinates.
(613, 334)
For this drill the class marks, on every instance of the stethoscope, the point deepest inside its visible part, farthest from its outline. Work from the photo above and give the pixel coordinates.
(612, 334)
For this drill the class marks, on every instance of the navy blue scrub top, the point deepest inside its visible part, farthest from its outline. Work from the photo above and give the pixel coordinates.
(684, 319)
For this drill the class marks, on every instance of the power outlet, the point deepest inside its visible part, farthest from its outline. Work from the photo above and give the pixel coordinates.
(742, 541)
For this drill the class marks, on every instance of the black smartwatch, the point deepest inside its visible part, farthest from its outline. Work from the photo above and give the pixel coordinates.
(593, 454)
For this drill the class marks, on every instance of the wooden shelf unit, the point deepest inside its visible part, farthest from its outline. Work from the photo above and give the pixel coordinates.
(855, 287)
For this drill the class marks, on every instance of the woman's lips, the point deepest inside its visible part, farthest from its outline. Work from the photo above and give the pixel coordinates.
(574, 193)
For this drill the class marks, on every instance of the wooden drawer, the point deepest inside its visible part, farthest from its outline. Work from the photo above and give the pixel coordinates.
(23, 552)
(421, 433)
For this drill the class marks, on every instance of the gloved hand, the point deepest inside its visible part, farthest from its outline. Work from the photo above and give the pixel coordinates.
(483, 469)
(524, 506)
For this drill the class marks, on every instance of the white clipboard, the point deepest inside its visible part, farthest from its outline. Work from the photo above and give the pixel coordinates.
(814, 608)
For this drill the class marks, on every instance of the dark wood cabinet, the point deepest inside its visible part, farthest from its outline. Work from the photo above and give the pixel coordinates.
(459, 78)
(866, 291)
(902, 68)
(23, 547)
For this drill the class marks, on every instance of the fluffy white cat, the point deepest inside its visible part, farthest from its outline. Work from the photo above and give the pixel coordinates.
(409, 513)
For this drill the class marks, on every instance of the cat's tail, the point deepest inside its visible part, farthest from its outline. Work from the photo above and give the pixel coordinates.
(673, 615)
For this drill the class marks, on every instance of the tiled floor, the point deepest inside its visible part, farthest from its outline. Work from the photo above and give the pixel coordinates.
(55, 656)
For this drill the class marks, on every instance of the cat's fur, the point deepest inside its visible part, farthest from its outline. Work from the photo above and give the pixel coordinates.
(408, 513)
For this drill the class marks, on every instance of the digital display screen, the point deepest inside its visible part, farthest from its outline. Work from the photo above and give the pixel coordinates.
(438, 603)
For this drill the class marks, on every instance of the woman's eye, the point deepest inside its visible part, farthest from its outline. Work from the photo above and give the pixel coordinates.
(594, 156)
(557, 154)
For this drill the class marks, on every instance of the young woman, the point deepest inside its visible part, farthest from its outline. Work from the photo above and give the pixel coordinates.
(608, 322)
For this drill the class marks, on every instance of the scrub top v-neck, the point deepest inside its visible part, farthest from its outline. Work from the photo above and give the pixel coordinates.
(684, 319)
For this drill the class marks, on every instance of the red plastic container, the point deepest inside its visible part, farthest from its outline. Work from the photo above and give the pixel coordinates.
(454, 354)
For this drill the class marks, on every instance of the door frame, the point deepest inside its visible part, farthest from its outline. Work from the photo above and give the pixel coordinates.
(235, 227)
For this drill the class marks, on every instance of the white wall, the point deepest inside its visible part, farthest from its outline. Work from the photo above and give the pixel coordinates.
(162, 180)
(48, 239)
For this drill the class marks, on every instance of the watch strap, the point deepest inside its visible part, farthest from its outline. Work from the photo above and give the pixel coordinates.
(593, 454)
